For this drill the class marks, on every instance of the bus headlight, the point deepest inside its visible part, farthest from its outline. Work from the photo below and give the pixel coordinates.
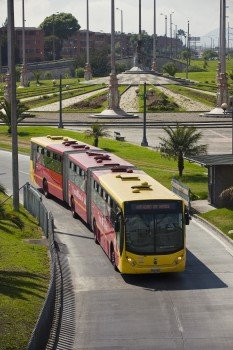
(178, 260)
(131, 261)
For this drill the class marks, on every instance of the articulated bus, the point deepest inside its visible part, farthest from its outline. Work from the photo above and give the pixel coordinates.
(139, 223)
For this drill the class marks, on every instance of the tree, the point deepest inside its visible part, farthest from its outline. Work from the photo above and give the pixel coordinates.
(48, 47)
(8, 216)
(37, 75)
(62, 25)
(5, 113)
(181, 142)
(97, 131)
(231, 74)
(209, 55)
(170, 68)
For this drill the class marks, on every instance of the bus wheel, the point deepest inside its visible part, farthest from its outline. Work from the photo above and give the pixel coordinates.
(46, 188)
(95, 230)
(72, 208)
(112, 258)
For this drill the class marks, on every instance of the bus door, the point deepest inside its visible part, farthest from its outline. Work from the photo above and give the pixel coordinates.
(65, 173)
(89, 185)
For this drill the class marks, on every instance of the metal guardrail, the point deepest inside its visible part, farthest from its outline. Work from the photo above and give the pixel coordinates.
(182, 191)
(49, 320)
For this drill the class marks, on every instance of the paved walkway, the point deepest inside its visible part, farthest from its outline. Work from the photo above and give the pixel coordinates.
(201, 206)
(129, 101)
(185, 102)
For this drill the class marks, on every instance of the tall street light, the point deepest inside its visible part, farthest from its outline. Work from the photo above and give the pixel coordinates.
(113, 110)
(222, 95)
(145, 96)
(171, 33)
(87, 72)
(12, 100)
(121, 11)
(165, 17)
(188, 53)
(154, 40)
(138, 56)
(0, 52)
(23, 76)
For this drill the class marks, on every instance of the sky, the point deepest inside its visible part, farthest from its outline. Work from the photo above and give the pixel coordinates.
(203, 15)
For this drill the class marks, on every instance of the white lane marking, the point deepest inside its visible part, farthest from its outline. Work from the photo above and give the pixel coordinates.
(178, 319)
(230, 251)
(23, 172)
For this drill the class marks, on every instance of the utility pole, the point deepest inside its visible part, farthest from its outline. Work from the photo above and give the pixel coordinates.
(87, 73)
(154, 40)
(60, 125)
(171, 33)
(11, 67)
(53, 40)
(188, 52)
(0, 51)
(23, 77)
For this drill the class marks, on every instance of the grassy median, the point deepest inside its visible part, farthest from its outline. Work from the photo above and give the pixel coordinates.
(24, 279)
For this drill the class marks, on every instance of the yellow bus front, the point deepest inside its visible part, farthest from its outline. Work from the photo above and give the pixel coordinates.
(154, 237)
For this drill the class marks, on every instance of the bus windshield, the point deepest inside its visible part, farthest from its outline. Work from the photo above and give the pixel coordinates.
(154, 231)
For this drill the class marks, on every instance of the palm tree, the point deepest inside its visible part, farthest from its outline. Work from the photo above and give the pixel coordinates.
(181, 142)
(9, 216)
(5, 113)
(97, 131)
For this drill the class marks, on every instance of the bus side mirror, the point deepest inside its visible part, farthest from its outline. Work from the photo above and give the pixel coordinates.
(187, 217)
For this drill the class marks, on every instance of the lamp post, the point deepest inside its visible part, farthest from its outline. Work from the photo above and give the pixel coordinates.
(154, 40)
(23, 76)
(12, 100)
(228, 110)
(87, 72)
(60, 125)
(53, 40)
(171, 33)
(121, 11)
(145, 96)
(188, 52)
(165, 17)
(0, 52)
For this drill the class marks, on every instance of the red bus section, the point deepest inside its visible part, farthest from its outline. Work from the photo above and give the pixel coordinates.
(139, 223)
(80, 170)
(48, 156)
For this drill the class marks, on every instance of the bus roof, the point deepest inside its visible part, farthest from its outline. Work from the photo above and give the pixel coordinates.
(136, 186)
(61, 144)
(91, 159)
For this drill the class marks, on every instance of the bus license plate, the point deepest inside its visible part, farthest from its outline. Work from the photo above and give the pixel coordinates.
(155, 270)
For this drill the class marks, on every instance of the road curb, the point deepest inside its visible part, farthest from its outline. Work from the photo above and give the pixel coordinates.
(218, 232)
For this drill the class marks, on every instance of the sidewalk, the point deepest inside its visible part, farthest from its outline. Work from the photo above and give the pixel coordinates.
(201, 206)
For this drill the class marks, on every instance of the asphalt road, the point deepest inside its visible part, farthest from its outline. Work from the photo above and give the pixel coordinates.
(192, 310)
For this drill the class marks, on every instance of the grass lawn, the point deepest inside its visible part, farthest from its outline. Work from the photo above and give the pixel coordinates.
(208, 76)
(24, 279)
(221, 218)
(161, 169)
(45, 99)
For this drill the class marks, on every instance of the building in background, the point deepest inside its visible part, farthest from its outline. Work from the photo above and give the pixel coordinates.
(34, 44)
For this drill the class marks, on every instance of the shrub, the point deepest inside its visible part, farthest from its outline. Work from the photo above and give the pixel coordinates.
(48, 75)
(79, 72)
(226, 198)
(170, 68)
(196, 69)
